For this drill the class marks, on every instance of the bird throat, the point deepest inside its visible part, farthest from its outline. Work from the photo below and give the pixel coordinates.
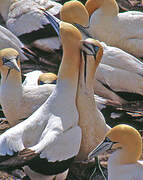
(85, 70)
(7, 74)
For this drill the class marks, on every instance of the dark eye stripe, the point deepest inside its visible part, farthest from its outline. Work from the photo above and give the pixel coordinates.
(4, 60)
(85, 45)
(17, 58)
(96, 48)
(107, 140)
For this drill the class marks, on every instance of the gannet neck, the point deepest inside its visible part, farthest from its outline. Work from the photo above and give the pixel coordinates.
(130, 142)
(14, 77)
(91, 120)
(91, 68)
(108, 7)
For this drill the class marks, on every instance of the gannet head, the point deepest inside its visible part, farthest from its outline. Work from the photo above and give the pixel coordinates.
(74, 12)
(109, 5)
(92, 5)
(125, 137)
(92, 47)
(92, 50)
(69, 34)
(47, 78)
(9, 60)
(63, 28)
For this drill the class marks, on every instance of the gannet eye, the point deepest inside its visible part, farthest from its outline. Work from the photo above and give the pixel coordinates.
(87, 48)
(4, 60)
(17, 58)
(107, 140)
(90, 49)
(96, 48)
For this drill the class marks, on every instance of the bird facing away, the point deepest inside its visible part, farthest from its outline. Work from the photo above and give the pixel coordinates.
(18, 102)
(37, 77)
(50, 138)
(122, 30)
(74, 12)
(47, 78)
(124, 162)
(116, 65)
(91, 120)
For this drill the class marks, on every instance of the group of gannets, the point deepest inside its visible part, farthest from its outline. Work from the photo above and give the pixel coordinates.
(116, 66)
(67, 123)
(18, 101)
(43, 141)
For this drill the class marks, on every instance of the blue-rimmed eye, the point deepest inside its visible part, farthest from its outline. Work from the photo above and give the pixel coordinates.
(4, 60)
(96, 48)
(107, 140)
(17, 58)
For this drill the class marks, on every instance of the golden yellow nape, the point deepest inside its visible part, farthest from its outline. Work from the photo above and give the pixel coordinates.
(129, 139)
(74, 12)
(8, 52)
(47, 78)
(67, 29)
(92, 5)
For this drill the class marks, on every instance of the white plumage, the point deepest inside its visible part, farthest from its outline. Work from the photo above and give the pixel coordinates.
(32, 78)
(123, 30)
(18, 101)
(25, 19)
(91, 120)
(52, 132)
(118, 70)
(9, 40)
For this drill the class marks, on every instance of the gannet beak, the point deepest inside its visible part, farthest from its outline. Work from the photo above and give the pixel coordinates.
(54, 22)
(83, 30)
(89, 48)
(101, 148)
(11, 63)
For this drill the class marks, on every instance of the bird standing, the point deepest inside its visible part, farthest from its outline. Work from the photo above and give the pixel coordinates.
(50, 138)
